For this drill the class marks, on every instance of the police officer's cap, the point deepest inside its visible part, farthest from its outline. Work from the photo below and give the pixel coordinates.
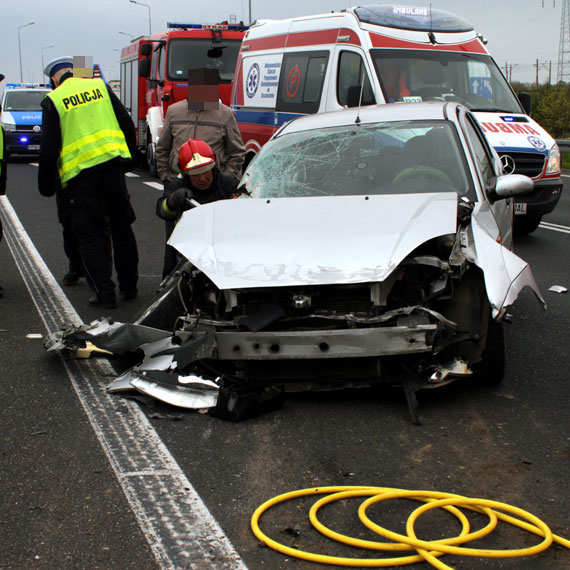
(56, 64)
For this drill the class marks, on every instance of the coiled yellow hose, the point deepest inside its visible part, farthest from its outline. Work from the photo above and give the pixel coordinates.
(426, 550)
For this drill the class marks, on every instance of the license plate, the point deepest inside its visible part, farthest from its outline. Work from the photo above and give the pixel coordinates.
(33, 147)
(520, 209)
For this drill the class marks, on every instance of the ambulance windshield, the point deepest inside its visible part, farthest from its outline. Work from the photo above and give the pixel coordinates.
(471, 79)
(193, 52)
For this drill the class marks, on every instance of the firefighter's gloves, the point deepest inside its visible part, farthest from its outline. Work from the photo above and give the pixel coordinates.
(179, 199)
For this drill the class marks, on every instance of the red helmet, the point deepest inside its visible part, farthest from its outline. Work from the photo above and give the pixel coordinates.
(196, 157)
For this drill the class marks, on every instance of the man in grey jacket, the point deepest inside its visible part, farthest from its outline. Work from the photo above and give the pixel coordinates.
(203, 117)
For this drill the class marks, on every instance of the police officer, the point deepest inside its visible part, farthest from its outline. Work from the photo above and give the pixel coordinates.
(88, 138)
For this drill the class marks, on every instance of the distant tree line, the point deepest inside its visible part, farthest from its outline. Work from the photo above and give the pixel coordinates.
(550, 106)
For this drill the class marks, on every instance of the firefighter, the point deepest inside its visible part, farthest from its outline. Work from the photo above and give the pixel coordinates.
(89, 139)
(200, 180)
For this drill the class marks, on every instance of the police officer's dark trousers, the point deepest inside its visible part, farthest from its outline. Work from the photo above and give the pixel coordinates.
(102, 215)
(70, 242)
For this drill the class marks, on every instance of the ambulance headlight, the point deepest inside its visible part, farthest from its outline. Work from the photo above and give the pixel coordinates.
(553, 160)
(6, 127)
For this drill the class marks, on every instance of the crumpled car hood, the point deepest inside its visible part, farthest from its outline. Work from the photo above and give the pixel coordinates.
(311, 240)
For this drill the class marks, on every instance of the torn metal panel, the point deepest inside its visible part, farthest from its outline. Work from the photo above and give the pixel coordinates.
(105, 334)
(191, 392)
(158, 355)
(274, 244)
(506, 274)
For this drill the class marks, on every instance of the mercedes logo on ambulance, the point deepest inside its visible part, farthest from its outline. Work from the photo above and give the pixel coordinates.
(508, 163)
(37, 129)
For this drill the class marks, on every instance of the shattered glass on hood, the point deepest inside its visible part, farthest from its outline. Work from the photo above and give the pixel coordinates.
(380, 158)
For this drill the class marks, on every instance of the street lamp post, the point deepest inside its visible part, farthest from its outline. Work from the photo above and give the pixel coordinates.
(125, 34)
(147, 6)
(20, 47)
(44, 49)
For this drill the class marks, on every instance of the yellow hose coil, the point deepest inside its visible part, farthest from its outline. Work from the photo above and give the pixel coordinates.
(425, 550)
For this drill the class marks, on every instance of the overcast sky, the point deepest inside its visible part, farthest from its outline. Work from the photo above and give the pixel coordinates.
(519, 31)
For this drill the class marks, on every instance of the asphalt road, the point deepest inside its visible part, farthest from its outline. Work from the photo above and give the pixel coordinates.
(63, 506)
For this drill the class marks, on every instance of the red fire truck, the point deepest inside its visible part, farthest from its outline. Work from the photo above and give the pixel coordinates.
(154, 72)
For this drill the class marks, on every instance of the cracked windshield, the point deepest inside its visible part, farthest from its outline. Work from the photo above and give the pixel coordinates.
(395, 158)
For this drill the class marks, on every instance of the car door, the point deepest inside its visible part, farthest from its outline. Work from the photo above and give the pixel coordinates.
(489, 169)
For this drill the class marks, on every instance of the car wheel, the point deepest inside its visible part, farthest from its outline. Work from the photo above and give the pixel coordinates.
(490, 371)
(525, 225)
(151, 158)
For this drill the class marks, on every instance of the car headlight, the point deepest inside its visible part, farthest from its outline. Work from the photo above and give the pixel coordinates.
(553, 160)
(8, 127)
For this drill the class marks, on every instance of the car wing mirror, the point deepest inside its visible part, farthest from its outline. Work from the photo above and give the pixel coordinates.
(513, 185)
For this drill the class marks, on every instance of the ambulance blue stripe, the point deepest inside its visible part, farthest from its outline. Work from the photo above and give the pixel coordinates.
(267, 118)
(527, 149)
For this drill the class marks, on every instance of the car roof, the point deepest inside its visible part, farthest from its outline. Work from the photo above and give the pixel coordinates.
(432, 110)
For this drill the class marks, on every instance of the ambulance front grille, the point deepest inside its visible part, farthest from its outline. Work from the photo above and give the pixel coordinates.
(528, 163)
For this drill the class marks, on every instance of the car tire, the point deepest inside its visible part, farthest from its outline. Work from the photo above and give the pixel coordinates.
(151, 158)
(490, 371)
(525, 225)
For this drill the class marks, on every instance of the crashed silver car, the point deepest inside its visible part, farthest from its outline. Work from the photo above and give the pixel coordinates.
(368, 246)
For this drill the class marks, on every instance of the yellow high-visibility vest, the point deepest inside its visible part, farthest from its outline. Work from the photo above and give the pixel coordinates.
(90, 132)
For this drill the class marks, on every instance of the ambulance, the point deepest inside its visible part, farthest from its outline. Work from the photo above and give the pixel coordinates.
(21, 117)
(387, 53)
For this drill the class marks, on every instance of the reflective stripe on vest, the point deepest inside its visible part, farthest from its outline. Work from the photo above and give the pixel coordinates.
(90, 132)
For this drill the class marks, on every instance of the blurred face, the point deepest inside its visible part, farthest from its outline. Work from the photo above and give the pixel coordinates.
(202, 181)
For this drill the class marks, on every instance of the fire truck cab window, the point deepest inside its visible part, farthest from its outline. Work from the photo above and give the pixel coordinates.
(157, 66)
(190, 52)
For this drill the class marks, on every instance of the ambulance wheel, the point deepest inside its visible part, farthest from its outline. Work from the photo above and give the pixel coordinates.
(525, 225)
(151, 159)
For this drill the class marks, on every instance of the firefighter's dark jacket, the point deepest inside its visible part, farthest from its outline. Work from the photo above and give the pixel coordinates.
(222, 188)
(51, 142)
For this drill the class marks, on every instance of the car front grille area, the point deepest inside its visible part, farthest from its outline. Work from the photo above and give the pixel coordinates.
(528, 163)
(333, 299)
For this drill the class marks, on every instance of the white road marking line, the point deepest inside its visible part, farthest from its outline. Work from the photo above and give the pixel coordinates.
(554, 227)
(176, 523)
(34, 163)
(156, 185)
(132, 175)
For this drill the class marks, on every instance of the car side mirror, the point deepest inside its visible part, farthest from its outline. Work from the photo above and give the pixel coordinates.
(513, 185)
(146, 49)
